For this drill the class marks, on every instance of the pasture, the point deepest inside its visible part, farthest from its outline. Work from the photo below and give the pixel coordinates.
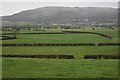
(65, 38)
(59, 38)
(47, 68)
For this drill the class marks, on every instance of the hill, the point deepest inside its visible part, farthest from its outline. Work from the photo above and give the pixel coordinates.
(56, 14)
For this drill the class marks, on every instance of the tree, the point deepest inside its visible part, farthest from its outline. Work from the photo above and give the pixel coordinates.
(15, 32)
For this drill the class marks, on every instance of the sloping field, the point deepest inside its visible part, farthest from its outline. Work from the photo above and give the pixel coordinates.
(59, 38)
(54, 68)
(67, 38)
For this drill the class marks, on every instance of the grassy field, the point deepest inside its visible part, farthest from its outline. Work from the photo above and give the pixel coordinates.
(37, 68)
(48, 68)
(78, 52)
(108, 32)
(66, 38)
(59, 38)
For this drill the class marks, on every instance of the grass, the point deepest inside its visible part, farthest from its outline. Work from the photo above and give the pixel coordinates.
(37, 68)
(66, 38)
(78, 52)
(47, 68)
(113, 33)
(59, 38)
(0, 66)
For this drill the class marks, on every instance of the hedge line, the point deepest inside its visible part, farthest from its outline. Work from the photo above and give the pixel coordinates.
(64, 44)
(64, 32)
(88, 33)
(101, 57)
(41, 56)
(7, 37)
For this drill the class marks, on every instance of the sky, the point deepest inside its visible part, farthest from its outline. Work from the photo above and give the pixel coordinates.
(10, 7)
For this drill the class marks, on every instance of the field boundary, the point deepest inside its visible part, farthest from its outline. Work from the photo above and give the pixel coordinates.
(63, 44)
(88, 33)
(7, 37)
(67, 32)
(41, 56)
(101, 57)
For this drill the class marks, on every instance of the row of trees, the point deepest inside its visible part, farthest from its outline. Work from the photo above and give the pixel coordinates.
(11, 31)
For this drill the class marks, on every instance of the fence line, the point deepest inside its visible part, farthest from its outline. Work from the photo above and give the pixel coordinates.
(63, 44)
(101, 57)
(40, 56)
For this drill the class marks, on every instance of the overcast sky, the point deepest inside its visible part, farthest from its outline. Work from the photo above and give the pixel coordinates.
(9, 7)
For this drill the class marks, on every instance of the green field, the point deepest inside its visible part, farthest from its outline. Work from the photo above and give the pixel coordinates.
(66, 38)
(53, 68)
(59, 38)
(78, 52)
(37, 68)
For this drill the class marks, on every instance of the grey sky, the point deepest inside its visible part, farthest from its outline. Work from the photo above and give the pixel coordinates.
(9, 8)
(59, 0)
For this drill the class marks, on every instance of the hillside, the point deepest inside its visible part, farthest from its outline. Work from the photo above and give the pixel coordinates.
(55, 14)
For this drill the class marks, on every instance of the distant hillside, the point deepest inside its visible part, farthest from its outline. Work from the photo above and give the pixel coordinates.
(63, 14)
